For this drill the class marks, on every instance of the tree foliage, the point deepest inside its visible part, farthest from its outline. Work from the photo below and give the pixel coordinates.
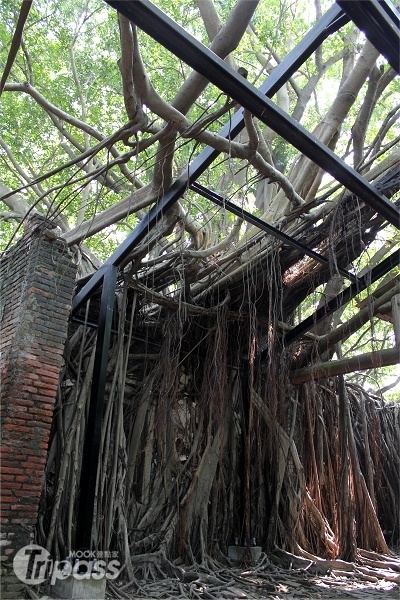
(98, 121)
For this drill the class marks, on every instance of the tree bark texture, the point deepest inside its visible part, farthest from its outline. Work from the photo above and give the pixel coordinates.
(193, 456)
(331, 368)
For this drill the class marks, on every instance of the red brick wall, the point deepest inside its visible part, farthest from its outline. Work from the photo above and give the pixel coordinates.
(37, 278)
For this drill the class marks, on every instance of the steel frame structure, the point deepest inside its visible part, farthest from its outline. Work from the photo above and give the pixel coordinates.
(380, 22)
(329, 23)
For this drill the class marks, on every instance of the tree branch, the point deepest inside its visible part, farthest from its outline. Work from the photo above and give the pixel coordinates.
(16, 41)
(332, 368)
(132, 203)
(373, 303)
(306, 175)
(132, 100)
(360, 126)
(49, 107)
(17, 203)
(222, 45)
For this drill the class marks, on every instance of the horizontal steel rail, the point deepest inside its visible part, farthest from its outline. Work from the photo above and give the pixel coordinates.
(280, 235)
(164, 30)
(379, 21)
(384, 267)
(333, 19)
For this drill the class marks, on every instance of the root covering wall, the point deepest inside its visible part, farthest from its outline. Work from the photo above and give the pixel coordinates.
(37, 279)
(202, 446)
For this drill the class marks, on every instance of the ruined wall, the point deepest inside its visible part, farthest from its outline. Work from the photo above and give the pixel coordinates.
(37, 278)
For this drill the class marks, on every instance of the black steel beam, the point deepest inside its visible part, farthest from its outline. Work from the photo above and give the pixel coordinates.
(164, 30)
(391, 10)
(253, 220)
(343, 298)
(91, 447)
(380, 23)
(107, 274)
(330, 22)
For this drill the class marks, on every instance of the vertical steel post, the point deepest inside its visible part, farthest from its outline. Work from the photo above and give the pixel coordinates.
(91, 447)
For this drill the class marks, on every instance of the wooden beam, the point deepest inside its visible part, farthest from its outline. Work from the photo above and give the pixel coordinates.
(331, 368)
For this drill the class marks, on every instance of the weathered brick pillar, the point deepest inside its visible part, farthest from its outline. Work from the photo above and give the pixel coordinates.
(37, 278)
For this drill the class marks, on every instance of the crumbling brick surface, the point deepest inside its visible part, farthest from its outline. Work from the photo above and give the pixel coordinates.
(37, 278)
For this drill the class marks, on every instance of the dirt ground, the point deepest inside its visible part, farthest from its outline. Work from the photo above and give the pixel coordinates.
(372, 576)
(287, 577)
(333, 588)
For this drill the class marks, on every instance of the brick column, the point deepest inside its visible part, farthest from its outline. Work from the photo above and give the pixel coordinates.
(37, 278)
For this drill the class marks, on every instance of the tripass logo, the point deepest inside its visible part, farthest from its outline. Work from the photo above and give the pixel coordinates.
(33, 565)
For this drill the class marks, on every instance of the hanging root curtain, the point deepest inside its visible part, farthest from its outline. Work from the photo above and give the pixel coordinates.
(203, 446)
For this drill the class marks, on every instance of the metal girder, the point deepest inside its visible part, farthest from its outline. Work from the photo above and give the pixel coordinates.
(174, 38)
(344, 297)
(280, 235)
(164, 30)
(333, 19)
(380, 21)
(91, 447)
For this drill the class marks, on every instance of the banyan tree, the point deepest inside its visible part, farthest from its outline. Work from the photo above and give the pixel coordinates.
(255, 300)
